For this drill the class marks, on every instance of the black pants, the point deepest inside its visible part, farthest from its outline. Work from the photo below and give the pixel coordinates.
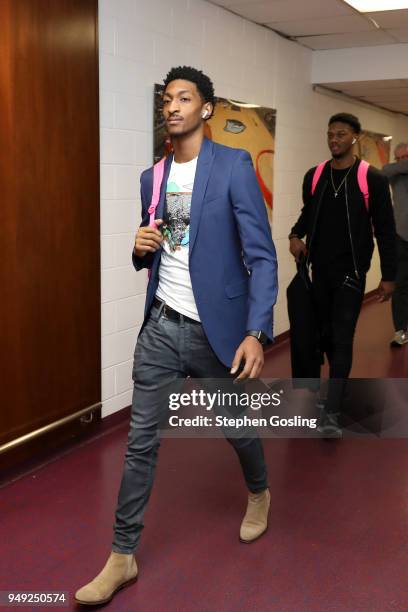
(338, 297)
(400, 295)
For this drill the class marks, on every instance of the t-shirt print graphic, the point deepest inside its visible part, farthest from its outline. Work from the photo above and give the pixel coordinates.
(177, 224)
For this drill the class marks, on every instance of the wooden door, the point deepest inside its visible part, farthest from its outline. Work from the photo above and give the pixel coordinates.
(49, 213)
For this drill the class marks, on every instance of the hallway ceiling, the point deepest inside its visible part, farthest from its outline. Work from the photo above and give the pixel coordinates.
(324, 24)
(334, 24)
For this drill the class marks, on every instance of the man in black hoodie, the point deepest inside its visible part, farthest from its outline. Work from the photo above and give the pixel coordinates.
(338, 225)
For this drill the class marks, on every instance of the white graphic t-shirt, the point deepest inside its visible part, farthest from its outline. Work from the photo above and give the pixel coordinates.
(174, 275)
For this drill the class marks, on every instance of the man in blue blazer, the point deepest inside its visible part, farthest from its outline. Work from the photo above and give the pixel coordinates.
(212, 287)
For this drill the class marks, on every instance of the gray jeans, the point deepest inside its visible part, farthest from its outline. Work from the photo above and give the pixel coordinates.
(166, 353)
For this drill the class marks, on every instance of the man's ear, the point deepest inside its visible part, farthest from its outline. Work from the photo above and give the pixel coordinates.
(207, 111)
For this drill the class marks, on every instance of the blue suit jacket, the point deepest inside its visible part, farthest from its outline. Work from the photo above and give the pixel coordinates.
(232, 258)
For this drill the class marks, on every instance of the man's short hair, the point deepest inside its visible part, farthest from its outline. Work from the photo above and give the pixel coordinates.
(351, 120)
(201, 80)
(401, 145)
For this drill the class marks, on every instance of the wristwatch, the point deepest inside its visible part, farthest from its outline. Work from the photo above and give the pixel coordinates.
(259, 335)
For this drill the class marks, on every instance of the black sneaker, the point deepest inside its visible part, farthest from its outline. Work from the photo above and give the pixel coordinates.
(329, 426)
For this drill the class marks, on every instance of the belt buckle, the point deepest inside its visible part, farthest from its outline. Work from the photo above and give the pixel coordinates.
(166, 311)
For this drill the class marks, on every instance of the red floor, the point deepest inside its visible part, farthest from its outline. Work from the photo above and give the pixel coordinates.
(338, 535)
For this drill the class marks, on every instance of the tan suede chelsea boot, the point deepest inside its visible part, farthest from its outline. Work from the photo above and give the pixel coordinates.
(255, 521)
(120, 571)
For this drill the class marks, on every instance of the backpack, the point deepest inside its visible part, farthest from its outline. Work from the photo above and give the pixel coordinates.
(361, 178)
(158, 172)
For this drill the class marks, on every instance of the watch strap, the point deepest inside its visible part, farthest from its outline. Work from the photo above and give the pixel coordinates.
(258, 334)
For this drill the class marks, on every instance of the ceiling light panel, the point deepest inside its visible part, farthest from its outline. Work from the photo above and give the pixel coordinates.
(372, 6)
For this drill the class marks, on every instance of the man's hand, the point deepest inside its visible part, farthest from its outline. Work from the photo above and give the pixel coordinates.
(148, 240)
(385, 290)
(298, 248)
(250, 350)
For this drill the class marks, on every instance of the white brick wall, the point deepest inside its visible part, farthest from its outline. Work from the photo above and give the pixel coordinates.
(139, 43)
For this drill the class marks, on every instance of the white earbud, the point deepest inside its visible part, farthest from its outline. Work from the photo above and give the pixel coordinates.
(205, 115)
(354, 141)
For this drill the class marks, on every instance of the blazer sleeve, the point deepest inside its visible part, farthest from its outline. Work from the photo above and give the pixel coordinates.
(146, 261)
(257, 245)
(382, 215)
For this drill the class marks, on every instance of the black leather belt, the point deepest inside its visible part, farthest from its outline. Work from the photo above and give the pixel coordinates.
(172, 314)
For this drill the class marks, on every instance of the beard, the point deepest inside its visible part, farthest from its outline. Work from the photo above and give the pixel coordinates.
(340, 154)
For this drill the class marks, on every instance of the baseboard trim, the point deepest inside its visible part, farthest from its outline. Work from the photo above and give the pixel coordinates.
(32, 435)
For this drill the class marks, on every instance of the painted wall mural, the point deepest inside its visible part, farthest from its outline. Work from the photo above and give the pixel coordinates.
(374, 148)
(235, 124)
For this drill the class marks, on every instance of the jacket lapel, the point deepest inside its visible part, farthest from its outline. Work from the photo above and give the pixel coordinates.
(204, 164)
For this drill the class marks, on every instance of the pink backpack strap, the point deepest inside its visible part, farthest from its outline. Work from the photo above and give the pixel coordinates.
(317, 175)
(158, 171)
(362, 180)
